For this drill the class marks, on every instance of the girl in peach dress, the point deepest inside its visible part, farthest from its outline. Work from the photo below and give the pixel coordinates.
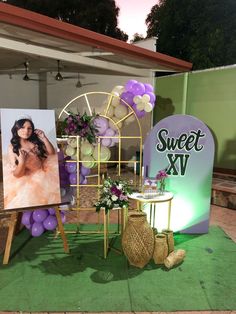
(30, 172)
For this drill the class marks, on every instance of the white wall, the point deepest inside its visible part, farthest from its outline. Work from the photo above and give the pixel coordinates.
(17, 93)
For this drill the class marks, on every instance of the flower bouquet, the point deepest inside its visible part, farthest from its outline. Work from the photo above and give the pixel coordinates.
(82, 125)
(161, 176)
(114, 193)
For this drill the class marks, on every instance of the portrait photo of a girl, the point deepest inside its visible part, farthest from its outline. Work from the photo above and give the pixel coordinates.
(30, 164)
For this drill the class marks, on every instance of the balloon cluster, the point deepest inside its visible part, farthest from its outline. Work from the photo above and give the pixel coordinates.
(40, 220)
(68, 175)
(89, 152)
(138, 95)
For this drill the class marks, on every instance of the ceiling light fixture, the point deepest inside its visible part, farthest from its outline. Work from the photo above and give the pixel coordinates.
(58, 76)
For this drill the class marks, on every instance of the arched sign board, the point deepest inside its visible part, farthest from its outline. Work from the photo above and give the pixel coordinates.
(184, 146)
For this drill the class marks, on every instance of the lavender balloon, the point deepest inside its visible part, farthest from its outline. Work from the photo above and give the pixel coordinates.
(138, 89)
(152, 97)
(106, 142)
(101, 124)
(129, 84)
(40, 214)
(127, 97)
(148, 88)
(51, 211)
(71, 167)
(85, 171)
(37, 229)
(27, 218)
(50, 223)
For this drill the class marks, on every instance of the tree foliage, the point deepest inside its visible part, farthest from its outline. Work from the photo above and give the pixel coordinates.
(136, 37)
(203, 32)
(96, 15)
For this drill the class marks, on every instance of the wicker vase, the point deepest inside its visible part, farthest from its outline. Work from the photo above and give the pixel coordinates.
(160, 249)
(138, 240)
(170, 239)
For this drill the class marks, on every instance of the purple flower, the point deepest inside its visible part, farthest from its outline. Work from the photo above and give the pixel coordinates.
(115, 191)
(161, 175)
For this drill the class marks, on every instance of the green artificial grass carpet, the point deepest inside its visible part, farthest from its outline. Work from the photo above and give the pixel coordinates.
(40, 277)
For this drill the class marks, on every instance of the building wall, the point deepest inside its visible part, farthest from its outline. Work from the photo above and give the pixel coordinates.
(210, 96)
(50, 94)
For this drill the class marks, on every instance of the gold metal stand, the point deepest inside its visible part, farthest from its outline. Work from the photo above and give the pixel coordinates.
(122, 218)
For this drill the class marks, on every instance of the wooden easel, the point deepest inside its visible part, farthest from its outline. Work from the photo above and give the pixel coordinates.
(14, 221)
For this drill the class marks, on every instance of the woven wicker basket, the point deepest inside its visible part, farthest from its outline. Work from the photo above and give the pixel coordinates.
(170, 239)
(161, 248)
(138, 240)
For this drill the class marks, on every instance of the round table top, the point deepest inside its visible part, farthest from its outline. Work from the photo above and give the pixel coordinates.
(149, 198)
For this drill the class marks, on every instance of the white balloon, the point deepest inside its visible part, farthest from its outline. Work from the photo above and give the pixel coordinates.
(121, 111)
(146, 98)
(86, 149)
(74, 157)
(118, 89)
(141, 105)
(137, 99)
(110, 112)
(115, 101)
(112, 125)
(72, 142)
(130, 119)
(119, 125)
(69, 151)
(148, 107)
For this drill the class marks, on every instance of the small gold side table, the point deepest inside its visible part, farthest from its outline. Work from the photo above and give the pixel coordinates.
(142, 199)
(122, 217)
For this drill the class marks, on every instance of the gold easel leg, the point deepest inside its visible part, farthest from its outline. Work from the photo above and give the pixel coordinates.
(61, 230)
(10, 234)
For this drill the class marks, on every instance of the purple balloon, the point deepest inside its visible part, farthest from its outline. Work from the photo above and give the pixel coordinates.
(27, 218)
(140, 114)
(85, 171)
(138, 89)
(148, 88)
(127, 97)
(37, 229)
(50, 223)
(73, 178)
(51, 211)
(152, 97)
(129, 84)
(40, 214)
(106, 142)
(71, 167)
(101, 125)
(81, 178)
(85, 181)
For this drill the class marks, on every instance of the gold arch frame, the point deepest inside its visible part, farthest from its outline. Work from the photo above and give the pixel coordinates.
(131, 112)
